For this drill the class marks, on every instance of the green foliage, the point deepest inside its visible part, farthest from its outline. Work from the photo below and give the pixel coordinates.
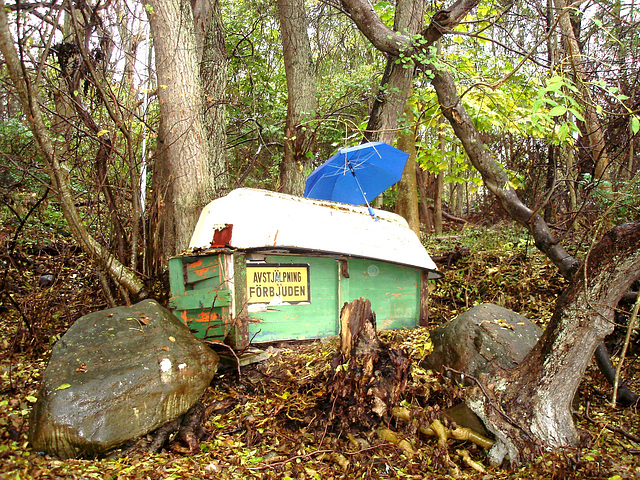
(386, 12)
(622, 205)
(347, 67)
(498, 261)
(554, 110)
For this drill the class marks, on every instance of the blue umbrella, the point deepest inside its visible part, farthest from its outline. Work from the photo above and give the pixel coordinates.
(357, 174)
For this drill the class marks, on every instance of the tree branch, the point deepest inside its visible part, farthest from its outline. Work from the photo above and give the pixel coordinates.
(31, 108)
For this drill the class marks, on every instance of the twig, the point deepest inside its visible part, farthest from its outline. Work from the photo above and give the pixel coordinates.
(627, 338)
(231, 350)
(613, 428)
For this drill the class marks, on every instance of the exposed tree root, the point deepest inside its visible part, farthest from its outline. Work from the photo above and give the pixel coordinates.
(187, 429)
(437, 429)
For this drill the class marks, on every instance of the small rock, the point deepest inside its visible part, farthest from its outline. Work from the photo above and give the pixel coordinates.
(45, 280)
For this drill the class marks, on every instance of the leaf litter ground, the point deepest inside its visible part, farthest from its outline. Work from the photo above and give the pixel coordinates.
(273, 421)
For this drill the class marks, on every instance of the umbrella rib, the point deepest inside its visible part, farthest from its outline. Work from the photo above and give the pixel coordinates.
(361, 191)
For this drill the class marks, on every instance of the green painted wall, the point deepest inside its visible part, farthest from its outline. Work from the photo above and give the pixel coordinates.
(198, 295)
(394, 292)
(320, 318)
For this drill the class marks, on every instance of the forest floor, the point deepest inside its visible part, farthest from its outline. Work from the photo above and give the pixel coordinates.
(269, 421)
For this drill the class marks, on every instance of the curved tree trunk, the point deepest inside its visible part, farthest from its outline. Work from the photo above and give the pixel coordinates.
(530, 407)
(494, 177)
(536, 397)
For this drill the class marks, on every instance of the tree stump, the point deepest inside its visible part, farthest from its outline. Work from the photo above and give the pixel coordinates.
(369, 377)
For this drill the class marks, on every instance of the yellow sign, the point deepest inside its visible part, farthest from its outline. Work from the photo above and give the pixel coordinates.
(278, 283)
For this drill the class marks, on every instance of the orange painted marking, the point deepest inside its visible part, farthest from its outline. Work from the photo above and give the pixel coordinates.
(200, 272)
(206, 317)
(195, 264)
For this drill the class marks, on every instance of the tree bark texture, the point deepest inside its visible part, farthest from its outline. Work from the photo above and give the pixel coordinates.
(577, 64)
(189, 180)
(396, 81)
(396, 42)
(28, 94)
(529, 407)
(407, 187)
(299, 135)
(426, 182)
(213, 65)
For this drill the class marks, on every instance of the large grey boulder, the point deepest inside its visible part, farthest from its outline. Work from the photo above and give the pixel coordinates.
(483, 337)
(116, 375)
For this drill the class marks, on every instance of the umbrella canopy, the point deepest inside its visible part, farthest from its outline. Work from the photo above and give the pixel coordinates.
(357, 174)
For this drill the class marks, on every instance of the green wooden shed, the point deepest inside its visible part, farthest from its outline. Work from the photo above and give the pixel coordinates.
(264, 266)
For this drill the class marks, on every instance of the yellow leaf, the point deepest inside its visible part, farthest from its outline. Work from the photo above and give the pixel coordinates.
(64, 386)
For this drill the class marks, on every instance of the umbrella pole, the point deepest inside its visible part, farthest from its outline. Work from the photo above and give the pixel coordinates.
(371, 212)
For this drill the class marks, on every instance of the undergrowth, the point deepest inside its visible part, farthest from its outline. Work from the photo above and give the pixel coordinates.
(266, 423)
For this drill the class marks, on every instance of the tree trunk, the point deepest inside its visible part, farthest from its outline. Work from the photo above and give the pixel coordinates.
(439, 191)
(189, 180)
(299, 145)
(530, 407)
(594, 133)
(425, 185)
(537, 394)
(213, 66)
(494, 177)
(396, 81)
(407, 187)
